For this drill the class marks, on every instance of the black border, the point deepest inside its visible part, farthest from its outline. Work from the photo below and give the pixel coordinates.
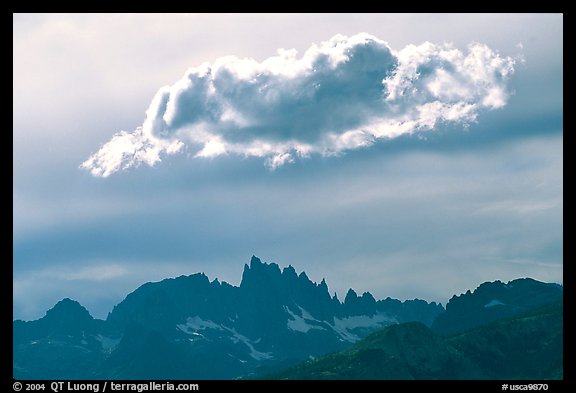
(569, 381)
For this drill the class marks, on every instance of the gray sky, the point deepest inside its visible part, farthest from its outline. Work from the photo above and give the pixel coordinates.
(430, 213)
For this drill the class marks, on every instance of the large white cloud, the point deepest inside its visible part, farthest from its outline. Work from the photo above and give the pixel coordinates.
(345, 93)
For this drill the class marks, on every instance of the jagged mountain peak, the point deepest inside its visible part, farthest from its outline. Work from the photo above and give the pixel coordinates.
(350, 296)
(269, 275)
(289, 274)
(258, 272)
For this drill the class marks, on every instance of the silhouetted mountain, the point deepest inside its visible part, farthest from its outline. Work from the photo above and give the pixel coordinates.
(492, 301)
(67, 338)
(528, 346)
(193, 328)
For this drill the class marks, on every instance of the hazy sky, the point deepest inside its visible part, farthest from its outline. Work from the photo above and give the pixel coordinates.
(375, 161)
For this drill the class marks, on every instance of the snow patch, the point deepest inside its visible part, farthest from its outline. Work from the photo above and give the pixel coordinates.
(193, 324)
(255, 354)
(494, 302)
(345, 326)
(108, 344)
(306, 314)
(301, 324)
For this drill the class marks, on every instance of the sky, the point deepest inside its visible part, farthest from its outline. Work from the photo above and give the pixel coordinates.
(408, 155)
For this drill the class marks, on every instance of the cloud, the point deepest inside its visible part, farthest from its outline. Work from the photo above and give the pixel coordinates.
(101, 272)
(346, 93)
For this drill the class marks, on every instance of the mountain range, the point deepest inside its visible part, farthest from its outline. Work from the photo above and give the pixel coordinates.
(192, 328)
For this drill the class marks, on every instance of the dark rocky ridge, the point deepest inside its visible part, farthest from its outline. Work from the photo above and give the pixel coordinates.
(192, 328)
(528, 346)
